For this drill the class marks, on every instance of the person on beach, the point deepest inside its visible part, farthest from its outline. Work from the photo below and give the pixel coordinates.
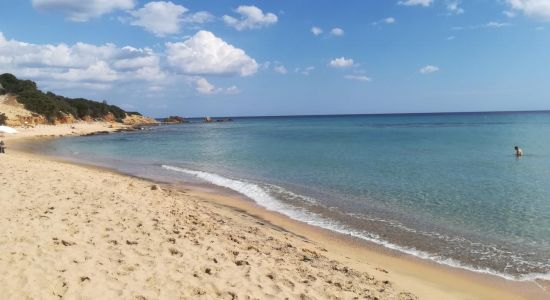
(519, 152)
(2, 147)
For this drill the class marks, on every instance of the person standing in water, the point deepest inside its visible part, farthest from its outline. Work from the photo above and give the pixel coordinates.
(519, 152)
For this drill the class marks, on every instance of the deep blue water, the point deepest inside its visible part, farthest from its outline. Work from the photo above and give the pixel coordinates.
(445, 187)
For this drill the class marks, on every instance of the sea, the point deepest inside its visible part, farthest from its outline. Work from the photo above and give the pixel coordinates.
(443, 187)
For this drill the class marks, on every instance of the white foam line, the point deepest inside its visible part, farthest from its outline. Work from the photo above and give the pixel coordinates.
(262, 198)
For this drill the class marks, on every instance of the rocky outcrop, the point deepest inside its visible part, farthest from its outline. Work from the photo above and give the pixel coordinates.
(174, 120)
(134, 120)
(33, 119)
(64, 119)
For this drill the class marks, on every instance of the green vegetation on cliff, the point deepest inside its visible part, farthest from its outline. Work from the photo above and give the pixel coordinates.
(53, 106)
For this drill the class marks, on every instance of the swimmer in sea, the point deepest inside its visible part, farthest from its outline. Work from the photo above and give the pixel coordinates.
(519, 152)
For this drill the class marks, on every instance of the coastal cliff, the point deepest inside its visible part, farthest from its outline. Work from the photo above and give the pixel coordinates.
(23, 104)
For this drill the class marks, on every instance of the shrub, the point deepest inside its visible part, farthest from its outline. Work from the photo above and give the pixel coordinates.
(3, 119)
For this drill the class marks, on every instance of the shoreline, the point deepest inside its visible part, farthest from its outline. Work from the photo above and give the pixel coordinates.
(425, 279)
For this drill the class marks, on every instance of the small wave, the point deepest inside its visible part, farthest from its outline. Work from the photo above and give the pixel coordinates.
(263, 198)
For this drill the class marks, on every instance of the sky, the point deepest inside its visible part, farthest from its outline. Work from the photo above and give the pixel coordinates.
(286, 57)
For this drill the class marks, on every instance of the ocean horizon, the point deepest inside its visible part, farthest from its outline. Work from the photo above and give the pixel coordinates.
(200, 118)
(440, 186)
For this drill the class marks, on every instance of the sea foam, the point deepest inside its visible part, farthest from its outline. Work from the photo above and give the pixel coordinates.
(262, 197)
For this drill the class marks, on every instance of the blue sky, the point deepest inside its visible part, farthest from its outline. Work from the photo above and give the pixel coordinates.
(286, 57)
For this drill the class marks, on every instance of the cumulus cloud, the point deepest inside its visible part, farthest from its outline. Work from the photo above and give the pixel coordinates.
(538, 9)
(341, 62)
(358, 77)
(206, 54)
(200, 17)
(81, 11)
(97, 72)
(416, 2)
(86, 65)
(160, 18)
(316, 30)
(251, 17)
(102, 67)
(429, 69)
(204, 87)
(337, 31)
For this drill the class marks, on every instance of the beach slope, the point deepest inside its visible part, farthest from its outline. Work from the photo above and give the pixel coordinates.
(72, 231)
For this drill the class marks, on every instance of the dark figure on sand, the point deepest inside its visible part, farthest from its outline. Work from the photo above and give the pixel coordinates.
(519, 152)
(2, 147)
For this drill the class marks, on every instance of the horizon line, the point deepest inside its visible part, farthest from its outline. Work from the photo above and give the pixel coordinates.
(379, 114)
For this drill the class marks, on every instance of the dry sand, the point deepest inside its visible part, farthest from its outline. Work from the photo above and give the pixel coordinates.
(71, 231)
(12, 109)
(45, 131)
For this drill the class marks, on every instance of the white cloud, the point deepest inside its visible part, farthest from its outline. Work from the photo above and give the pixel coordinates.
(316, 30)
(538, 9)
(358, 77)
(388, 20)
(251, 18)
(454, 7)
(160, 18)
(204, 87)
(200, 17)
(280, 69)
(83, 10)
(103, 67)
(98, 72)
(337, 31)
(341, 62)
(416, 2)
(164, 18)
(429, 69)
(206, 54)
(450, 38)
(85, 65)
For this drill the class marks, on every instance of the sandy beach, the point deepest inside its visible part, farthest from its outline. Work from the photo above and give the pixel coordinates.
(72, 231)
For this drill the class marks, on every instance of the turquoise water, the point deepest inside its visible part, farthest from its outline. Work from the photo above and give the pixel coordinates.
(444, 187)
